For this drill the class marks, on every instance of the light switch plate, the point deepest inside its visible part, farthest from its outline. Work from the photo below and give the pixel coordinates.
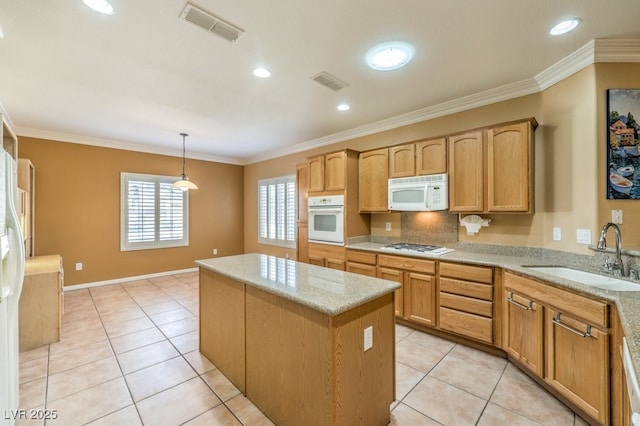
(583, 236)
(387, 226)
(368, 338)
(557, 233)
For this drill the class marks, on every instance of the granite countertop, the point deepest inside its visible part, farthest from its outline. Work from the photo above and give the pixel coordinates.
(326, 290)
(627, 302)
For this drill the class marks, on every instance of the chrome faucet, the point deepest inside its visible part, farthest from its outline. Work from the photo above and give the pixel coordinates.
(618, 266)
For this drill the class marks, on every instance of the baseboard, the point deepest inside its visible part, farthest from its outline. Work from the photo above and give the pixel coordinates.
(127, 279)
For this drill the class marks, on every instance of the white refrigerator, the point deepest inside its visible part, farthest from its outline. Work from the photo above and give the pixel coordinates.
(11, 278)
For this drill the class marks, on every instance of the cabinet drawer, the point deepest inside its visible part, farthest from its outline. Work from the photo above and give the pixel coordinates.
(408, 263)
(361, 257)
(593, 311)
(481, 274)
(467, 304)
(361, 268)
(470, 325)
(466, 288)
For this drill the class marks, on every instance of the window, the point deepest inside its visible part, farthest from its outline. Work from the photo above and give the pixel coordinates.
(153, 213)
(277, 211)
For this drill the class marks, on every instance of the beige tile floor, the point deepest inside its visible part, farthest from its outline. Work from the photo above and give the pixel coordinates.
(129, 355)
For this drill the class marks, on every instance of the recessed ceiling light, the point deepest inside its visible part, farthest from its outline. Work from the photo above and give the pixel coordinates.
(262, 72)
(565, 26)
(390, 55)
(101, 6)
(344, 107)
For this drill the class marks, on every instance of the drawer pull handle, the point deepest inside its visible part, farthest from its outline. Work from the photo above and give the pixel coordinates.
(557, 321)
(511, 300)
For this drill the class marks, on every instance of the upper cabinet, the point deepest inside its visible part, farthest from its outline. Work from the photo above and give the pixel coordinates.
(431, 156)
(328, 172)
(491, 171)
(419, 158)
(402, 161)
(373, 176)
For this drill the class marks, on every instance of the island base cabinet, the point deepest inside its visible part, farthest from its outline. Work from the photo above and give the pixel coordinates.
(223, 346)
(577, 363)
(304, 367)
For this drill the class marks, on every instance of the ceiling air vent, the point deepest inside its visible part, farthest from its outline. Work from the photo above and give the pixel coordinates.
(210, 23)
(330, 81)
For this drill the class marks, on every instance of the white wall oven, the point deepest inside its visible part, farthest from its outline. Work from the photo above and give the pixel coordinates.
(326, 219)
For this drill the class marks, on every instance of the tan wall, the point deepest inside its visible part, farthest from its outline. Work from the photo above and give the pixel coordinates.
(78, 209)
(614, 76)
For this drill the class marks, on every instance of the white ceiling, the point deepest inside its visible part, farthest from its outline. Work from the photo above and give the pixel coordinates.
(140, 77)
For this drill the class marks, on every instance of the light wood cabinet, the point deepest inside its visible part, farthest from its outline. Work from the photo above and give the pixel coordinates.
(26, 183)
(578, 362)
(302, 187)
(415, 300)
(402, 161)
(373, 180)
(361, 262)
(316, 174)
(328, 172)
(466, 172)
(431, 156)
(302, 242)
(491, 170)
(327, 255)
(466, 300)
(523, 331)
(575, 346)
(40, 306)
(510, 168)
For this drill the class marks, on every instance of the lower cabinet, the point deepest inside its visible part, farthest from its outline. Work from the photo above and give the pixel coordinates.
(361, 262)
(327, 255)
(563, 338)
(466, 300)
(302, 243)
(416, 299)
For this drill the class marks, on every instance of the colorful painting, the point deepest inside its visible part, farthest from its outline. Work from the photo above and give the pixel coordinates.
(623, 157)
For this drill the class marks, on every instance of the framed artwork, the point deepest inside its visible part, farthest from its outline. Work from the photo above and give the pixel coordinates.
(623, 156)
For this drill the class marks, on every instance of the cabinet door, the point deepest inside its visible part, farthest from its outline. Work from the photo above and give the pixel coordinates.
(466, 173)
(420, 302)
(316, 174)
(397, 276)
(578, 363)
(431, 157)
(318, 261)
(335, 168)
(302, 243)
(509, 168)
(523, 328)
(402, 161)
(361, 268)
(302, 186)
(373, 180)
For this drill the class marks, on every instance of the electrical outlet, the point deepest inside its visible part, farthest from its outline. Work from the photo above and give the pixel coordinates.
(368, 338)
(557, 233)
(583, 236)
(215, 252)
(616, 216)
(78, 266)
(387, 226)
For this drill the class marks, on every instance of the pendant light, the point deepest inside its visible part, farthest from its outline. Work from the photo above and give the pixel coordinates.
(184, 183)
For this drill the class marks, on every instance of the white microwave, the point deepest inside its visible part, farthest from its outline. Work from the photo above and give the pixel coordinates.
(419, 193)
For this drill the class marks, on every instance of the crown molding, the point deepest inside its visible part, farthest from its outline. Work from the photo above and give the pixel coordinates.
(599, 50)
(117, 144)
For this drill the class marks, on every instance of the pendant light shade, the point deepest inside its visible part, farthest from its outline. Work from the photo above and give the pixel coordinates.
(184, 183)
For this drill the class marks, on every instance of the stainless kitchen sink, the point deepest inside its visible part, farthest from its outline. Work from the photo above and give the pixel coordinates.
(586, 278)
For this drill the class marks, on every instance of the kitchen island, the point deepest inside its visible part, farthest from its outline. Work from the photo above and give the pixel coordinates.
(306, 344)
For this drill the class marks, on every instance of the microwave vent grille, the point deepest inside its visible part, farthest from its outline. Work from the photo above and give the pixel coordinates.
(420, 179)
